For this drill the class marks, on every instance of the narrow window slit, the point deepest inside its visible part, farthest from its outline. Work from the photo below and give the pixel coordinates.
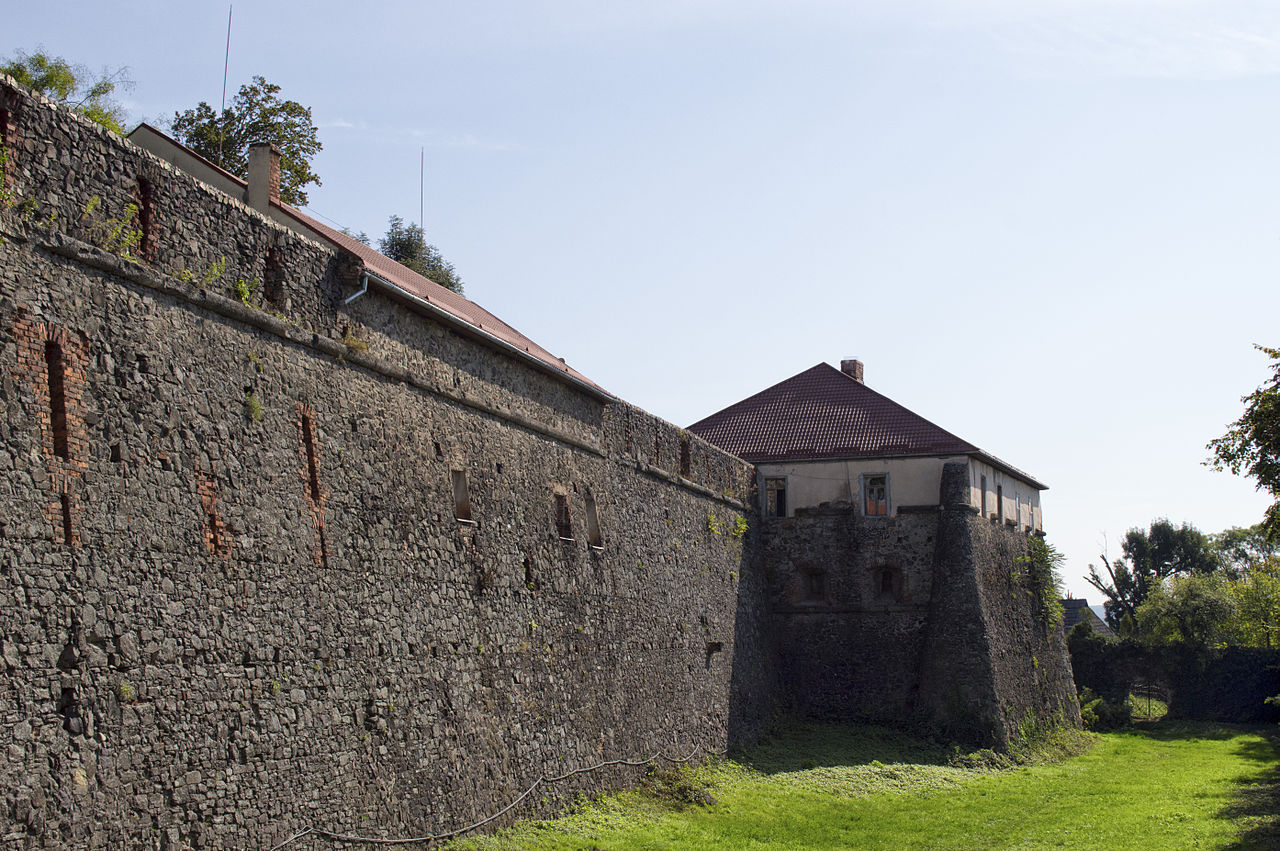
(313, 471)
(68, 535)
(273, 277)
(594, 538)
(564, 527)
(461, 497)
(56, 368)
(686, 458)
(146, 216)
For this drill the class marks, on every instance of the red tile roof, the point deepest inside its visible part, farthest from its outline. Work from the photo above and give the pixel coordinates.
(824, 414)
(464, 312)
(441, 297)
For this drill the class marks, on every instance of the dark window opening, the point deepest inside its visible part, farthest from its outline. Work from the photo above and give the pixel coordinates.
(529, 581)
(594, 537)
(68, 535)
(461, 497)
(439, 451)
(273, 278)
(56, 369)
(313, 470)
(983, 487)
(146, 218)
(1000, 503)
(886, 581)
(686, 458)
(875, 496)
(775, 497)
(815, 585)
(564, 527)
(324, 549)
(116, 455)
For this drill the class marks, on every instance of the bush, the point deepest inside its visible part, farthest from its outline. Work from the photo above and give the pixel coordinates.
(1101, 715)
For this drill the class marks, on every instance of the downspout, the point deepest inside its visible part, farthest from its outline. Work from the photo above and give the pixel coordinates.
(364, 288)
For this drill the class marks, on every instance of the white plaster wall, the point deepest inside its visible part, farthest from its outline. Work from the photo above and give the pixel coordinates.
(912, 481)
(1021, 500)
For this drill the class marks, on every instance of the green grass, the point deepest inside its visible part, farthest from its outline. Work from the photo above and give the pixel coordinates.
(1160, 787)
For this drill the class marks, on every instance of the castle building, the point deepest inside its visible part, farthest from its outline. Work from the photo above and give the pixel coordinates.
(825, 436)
(295, 543)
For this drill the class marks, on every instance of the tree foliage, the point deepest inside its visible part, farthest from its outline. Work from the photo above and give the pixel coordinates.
(1243, 549)
(74, 85)
(1150, 557)
(1198, 611)
(256, 115)
(1252, 443)
(406, 244)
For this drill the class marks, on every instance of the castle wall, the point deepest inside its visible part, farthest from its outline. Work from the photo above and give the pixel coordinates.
(994, 667)
(238, 599)
(927, 617)
(850, 598)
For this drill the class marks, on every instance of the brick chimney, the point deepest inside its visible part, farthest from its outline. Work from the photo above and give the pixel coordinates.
(264, 176)
(852, 368)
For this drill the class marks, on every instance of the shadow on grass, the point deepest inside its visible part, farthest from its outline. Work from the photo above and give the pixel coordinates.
(1255, 806)
(799, 747)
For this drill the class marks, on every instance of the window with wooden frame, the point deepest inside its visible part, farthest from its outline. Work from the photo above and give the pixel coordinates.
(875, 495)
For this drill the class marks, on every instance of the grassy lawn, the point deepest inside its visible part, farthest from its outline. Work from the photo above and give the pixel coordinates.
(1164, 786)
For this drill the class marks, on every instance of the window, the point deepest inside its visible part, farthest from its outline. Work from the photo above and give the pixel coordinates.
(875, 496)
(886, 581)
(1000, 503)
(775, 497)
(594, 539)
(313, 466)
(564, 526)
(815, 586)
(461, 497)
(273, 277)
(983, 498)
(146, 219)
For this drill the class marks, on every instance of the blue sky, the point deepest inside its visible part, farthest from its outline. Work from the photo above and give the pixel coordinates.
(1053, 228)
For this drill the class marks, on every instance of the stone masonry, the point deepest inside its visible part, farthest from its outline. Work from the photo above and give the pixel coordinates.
(271, 561)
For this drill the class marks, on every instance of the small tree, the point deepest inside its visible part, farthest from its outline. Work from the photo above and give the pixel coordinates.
(1163, 551)
(1252, 443)
(405, 244)
(256, 115)
(74, 85)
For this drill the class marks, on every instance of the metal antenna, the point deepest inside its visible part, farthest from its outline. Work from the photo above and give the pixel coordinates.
(226, 63)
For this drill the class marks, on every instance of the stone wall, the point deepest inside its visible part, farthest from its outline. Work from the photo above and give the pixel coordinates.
(924, 617)
(271, 560)
(239, 597)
